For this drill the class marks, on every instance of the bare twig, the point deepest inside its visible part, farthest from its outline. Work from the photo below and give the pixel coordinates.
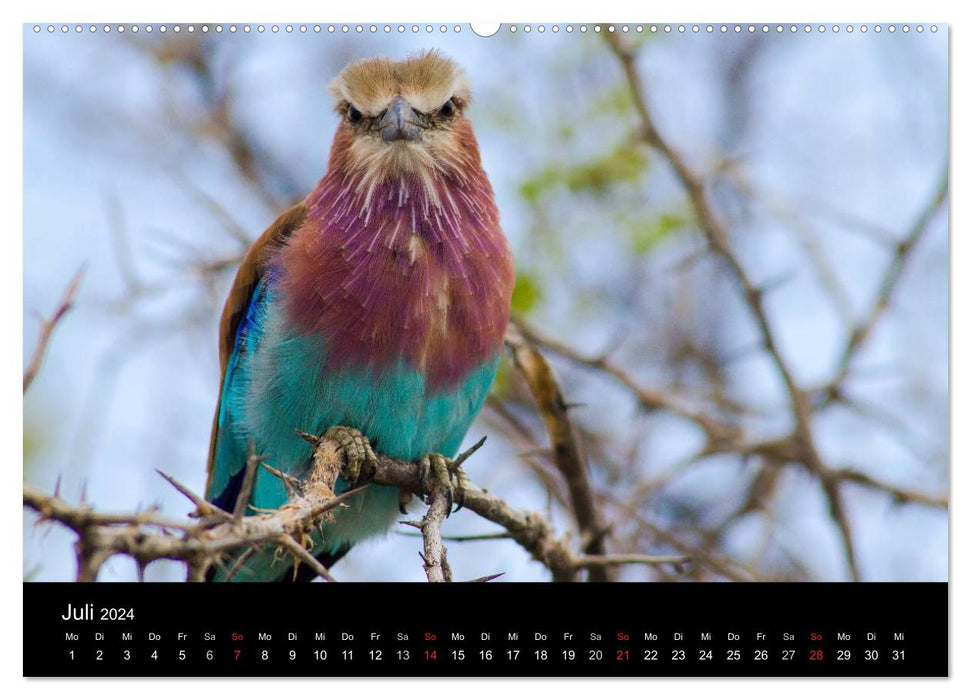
(434, 552)
(305, 557)
(486, 579)
(203, 507)
(246, 488)
(47, 326)
(240, 562)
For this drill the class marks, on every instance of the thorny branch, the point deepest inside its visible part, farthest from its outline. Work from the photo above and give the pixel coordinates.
(215, 535)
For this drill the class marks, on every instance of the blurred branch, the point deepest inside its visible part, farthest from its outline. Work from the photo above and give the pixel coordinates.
(901, 495)
(500, 414)
(711, 226)
(566, 449)
(700, 556)
(623, 559)
(902, 253)
(717, 237)
(894, 426)
(254, 164)
(47, 326)
(721, 436)
(122, 246)
(227, 221)
(488, 536)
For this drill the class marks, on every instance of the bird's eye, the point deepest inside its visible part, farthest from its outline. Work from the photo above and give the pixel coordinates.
(354, 115)
(447, 109)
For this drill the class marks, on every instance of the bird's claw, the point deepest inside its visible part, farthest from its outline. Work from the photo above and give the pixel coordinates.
(436, 471)
(357, 450)
(404, 498)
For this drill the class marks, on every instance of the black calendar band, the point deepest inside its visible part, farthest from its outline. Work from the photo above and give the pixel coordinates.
(495, 629)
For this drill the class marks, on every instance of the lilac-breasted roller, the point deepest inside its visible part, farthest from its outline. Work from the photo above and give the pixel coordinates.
(378, 304)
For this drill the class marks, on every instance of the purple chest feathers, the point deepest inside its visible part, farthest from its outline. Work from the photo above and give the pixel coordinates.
(402, 271)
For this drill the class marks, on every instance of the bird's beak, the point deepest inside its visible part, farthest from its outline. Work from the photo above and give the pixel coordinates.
(399, 122)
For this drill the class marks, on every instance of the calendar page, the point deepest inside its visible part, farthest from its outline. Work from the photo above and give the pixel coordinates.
(637, 331)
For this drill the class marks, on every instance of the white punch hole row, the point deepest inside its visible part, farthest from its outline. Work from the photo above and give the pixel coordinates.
(485, 29)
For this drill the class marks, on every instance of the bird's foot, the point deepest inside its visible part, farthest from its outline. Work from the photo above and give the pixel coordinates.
(360, 458)
(439, 472)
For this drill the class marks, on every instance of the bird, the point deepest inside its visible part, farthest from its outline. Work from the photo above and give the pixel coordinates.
(373, 311)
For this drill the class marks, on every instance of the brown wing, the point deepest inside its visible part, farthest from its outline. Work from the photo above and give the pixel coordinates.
(247, 277)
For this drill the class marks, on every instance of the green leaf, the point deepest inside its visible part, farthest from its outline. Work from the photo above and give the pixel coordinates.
(500, 385)
(526, 294)
(644, 235)
(624, 164)
(618, 100)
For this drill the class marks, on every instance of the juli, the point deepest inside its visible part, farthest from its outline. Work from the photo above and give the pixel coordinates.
(84, 613)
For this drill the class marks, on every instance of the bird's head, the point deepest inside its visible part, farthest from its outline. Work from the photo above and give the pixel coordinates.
(403, 118)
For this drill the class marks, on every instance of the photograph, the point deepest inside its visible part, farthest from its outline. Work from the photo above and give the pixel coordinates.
(559, 303)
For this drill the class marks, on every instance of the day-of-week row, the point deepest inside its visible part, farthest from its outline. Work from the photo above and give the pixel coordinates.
(761, 637)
